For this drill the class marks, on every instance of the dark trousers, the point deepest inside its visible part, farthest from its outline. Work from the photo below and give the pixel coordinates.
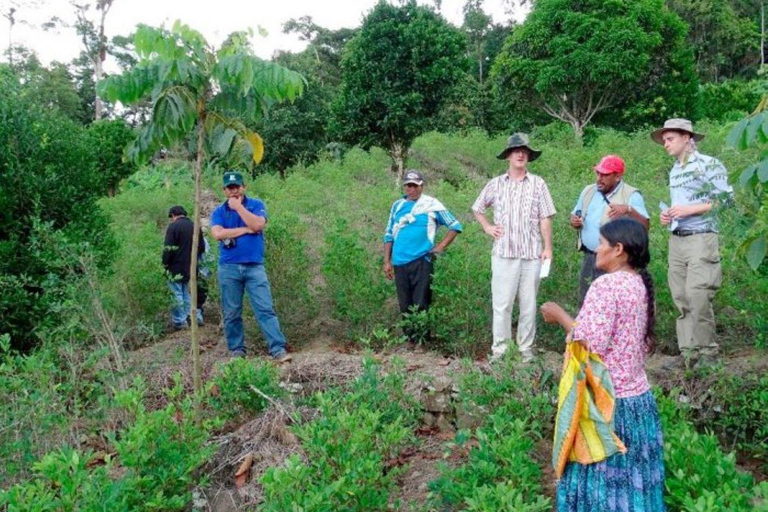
(589, 272)
(414, 288)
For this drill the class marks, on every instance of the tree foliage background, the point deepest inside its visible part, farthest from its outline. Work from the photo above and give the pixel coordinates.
(396, 74)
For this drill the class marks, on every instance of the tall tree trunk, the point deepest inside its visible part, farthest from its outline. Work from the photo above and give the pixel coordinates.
(578, 130)
(397, 154)
(198, 383)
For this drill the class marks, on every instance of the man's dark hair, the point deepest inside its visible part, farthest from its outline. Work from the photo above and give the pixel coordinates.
(177, 211)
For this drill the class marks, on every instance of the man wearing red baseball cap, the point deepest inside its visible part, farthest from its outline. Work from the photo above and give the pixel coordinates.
(607, 199)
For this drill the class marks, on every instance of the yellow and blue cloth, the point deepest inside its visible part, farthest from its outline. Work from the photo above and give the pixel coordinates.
(584, 430)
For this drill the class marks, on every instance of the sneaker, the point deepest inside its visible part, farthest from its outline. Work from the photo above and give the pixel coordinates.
(236, 353)
(527, 357)
(283, 357)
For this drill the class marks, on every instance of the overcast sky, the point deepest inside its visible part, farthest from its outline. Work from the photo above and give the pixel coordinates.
(214, 18)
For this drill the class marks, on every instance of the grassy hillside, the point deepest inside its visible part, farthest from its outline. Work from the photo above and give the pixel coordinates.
(326, 223)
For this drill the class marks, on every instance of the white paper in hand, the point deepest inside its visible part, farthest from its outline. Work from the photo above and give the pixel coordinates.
(545, 266)
(663, 206)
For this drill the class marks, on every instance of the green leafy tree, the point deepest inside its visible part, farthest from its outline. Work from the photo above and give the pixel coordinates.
(576, 58)
(725, 39)
(110, 138)
(48, 190)
(298, 132)
(205, 96)
(397, 72)
(752, 132)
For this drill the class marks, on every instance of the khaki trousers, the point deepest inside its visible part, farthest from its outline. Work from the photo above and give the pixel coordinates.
(513, 277)
(694, 276)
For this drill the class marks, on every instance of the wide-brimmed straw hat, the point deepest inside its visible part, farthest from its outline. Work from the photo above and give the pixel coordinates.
(679, 125)
(519, 140)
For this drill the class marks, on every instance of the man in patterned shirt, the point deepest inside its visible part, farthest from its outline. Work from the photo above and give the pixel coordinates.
(696, 184)
(522, 234)
(410, 249)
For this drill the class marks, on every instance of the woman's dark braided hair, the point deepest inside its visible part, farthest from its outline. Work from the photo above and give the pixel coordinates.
(634, 238)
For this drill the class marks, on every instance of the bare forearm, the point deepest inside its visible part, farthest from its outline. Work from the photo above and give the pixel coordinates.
(253, 221)
(388, 252)
(482, 219)
(447, 240)
(220, 233)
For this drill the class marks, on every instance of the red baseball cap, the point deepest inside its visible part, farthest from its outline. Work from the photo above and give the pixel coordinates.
(610, 164)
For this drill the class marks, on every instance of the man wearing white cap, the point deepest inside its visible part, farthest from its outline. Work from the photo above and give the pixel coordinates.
(696, 183)
(610, 197)
(410, 247)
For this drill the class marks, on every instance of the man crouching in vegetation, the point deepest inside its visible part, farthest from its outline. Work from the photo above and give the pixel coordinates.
(238, 225)
(177, 255)
(522, 240)
(610, 197)
(410, 250)
(696, 184)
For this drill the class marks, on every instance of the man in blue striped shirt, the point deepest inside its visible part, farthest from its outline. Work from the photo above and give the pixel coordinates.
(410, 249)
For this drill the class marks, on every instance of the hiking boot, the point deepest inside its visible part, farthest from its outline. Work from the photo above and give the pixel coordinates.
(284, 357)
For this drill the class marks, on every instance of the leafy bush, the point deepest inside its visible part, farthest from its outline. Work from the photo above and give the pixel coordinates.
(234, 395)
(500, 473)
(743, 413)
(346, 450)
(728, 100)
(49, 178)
(153, 469)
(354, 279)
(700, 477)
(110, 139)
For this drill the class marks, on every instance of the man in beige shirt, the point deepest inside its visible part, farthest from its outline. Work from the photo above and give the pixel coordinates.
(522, 234)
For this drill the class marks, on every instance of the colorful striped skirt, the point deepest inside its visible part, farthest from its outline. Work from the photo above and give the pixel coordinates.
(631, 482)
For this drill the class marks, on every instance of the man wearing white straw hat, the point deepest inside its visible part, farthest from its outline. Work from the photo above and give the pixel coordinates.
(697, 183)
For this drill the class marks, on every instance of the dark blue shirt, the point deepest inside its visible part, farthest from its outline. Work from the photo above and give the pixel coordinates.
(248, 248)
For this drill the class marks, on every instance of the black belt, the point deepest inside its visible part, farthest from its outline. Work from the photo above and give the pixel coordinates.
(685, 232)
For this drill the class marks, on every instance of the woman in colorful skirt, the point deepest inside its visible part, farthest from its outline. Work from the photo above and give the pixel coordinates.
(616, 322)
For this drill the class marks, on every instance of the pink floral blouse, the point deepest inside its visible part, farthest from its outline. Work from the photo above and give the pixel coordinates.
(613, 321)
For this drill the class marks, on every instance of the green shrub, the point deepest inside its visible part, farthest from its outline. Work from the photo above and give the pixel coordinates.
(742, 402)
(49, 180)
(154, 469)
(729, 100)
(354, 279)
(110, 138)
(699, 476)
(234, 394)
(347, 449)
(500, 473)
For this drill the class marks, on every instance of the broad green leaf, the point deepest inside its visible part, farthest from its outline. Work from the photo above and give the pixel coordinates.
(755, 125)
(737, 136)
(762, 172)
(223, 141)
(756, 251)
(746, 175)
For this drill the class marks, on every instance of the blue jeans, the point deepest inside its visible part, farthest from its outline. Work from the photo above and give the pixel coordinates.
(234, 279)
(181, 304)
